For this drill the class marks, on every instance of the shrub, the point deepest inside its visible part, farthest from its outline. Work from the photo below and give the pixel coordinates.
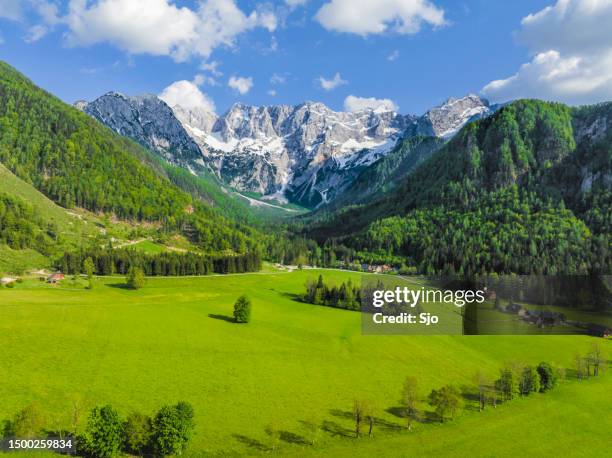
(530, 381)
(242, 309)
(447, 401)
(135, 278)
(104, 433)
(28, 423)
(172, 429)
(138, 431)
(548, 378)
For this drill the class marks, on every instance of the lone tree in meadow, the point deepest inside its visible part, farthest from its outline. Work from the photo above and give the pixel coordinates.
(447, 401)
(595, 358)
(548, 378)
(482, 383)
(135, 278)
(359, 409)
(410, 398)
(89, 267)
(242, 309)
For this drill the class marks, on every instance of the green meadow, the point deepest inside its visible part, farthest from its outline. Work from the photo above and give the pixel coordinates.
(294, 364)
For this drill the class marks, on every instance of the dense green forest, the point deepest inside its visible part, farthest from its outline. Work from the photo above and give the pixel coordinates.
(21, 228)
(110, 261)
(385, 174)
(345, 296)
(507, 194)
(77, 162)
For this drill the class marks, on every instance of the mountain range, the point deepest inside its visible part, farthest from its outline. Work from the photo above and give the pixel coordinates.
(306, 154)
(524, 188)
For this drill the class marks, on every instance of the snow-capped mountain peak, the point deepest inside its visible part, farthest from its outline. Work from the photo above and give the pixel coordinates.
(308, 152)
(448, 118)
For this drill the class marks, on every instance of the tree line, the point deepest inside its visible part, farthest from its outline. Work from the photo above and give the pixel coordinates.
(119, 261)
(514, 380)
(106, 434)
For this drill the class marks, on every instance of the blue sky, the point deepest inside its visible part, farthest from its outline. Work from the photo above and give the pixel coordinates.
(415, 53)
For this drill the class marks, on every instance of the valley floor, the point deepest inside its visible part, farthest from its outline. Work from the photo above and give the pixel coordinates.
(294, 364)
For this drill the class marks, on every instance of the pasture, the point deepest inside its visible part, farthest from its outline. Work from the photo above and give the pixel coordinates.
(293, 365)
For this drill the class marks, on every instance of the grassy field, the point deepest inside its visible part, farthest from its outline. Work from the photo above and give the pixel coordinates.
(293, 364)
(21, 260)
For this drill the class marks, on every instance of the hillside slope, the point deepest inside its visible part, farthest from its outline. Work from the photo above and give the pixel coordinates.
(526, 190)
(384, 175)
(79, 163)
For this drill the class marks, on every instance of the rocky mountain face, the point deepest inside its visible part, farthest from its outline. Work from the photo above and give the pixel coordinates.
(445, 120)
(307, 154)
(149, 121)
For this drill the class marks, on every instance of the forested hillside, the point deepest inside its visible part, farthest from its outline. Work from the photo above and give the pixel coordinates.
(526, 190)
(385, 174)
(21, 228)
(79, 163)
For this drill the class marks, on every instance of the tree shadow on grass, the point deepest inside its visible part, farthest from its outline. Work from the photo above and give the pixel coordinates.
(472, 400)
(252, 443)
(294, 297)
(380, 422)
(118, 286)
(334, 429)
(423, 416)
(229, 319)
(293, 438)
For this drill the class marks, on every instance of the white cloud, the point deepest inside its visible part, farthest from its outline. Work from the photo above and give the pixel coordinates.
(272, 92)
(354, 103)
(364, 17)
(295, 3)
(200, 80)
(35, 33)
(240, 84)
(278, 79)
(333, 83)
(571, 45)
(212, 68)
(160, 27)
(188, 95)
(268, 20)
(393, 56)
(46, 11)
(11, 9)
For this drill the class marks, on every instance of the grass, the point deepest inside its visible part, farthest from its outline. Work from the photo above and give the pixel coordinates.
(18, 261)
(46, 208)
(149, 247)
(294, 363)
(71, 225)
